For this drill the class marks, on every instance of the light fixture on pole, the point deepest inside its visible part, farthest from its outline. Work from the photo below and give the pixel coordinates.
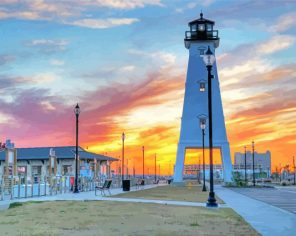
(209, 60)
(203, 122)
(77, 112)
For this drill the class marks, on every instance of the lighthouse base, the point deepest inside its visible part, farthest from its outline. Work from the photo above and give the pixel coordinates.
(225, 156)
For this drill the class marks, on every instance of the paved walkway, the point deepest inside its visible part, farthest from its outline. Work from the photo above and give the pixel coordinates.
(265, 218)
(82, 196)
(90, 196)
(284, 198)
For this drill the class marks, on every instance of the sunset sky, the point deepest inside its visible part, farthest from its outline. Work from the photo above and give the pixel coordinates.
(125, 63)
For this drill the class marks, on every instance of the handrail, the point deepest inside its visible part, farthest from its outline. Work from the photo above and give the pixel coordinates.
(189, 35)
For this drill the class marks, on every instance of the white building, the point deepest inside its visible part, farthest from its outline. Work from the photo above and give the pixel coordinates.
(262, 162)
(32, 162)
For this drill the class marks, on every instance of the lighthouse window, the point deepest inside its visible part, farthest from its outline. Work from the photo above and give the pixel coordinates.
(202, 87)
(193, 27)
(209, 27)
(201, 27)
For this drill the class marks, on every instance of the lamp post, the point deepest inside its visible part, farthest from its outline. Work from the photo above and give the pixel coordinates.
(209, 60)
(245, 165)
(155, 168)
(202, 122)
(294, 170)
(127, 176)
(253, 156)
(159, 170)
(134, 170)
(198, 170)
(143, 151)
(77, 112)
(122, 163)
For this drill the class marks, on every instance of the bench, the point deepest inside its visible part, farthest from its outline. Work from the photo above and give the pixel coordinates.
(156, 182)
(139, 183)
(106, 186)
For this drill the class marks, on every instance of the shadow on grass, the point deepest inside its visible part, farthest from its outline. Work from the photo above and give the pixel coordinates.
(18, 204)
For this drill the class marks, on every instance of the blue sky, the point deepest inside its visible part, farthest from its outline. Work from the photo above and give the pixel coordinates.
(124, 61)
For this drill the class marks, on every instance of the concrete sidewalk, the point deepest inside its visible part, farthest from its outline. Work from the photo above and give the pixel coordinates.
(82, 196)
(90, 196)
(265, 218)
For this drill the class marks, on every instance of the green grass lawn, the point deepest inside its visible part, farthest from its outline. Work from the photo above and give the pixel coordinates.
(117, 218)
(190, 193)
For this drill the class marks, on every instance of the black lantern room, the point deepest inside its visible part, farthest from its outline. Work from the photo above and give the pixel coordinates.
(202, 29)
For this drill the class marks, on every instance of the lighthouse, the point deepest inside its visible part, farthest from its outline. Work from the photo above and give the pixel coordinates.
(198, 39)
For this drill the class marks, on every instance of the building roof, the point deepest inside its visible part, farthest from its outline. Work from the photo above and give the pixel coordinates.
(65, 152)
(201, 20)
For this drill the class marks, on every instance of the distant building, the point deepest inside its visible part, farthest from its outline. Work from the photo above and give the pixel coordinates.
(262, 166)
(262, 163)
(191, 171)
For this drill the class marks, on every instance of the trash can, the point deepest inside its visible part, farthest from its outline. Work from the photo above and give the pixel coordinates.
(72, 182)
(169, 181)
(126, 184)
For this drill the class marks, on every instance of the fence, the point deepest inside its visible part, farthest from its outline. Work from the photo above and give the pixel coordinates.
(38, 186)
(22, 187)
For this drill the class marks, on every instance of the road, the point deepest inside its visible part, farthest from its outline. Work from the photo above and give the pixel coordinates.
(281, 197)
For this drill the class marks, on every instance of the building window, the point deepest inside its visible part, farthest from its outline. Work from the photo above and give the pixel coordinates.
(193, 27)
(36, 170)
(202, 86)
(201, 27)
(21, 170)
(209, 27)
(67, 169)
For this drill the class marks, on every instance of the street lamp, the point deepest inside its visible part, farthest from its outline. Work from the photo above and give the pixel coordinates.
(155, 168)
(294, 171)
(127, 176)
(245, 165)
(122, 163)
(253, 155)
(143, 151)
(203, 122)
(77, 112)
(209, 60)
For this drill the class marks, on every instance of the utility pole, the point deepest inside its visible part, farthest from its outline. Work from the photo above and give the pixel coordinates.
(159, 170)
(143, 150)
(127, 168)
(253, 147)
(134, 169)
(294, 170)
(280, 169)
(122, 163)
(155, 168)
(246, 165)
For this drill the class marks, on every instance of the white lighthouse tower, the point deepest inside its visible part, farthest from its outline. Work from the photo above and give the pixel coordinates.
(197, 40)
